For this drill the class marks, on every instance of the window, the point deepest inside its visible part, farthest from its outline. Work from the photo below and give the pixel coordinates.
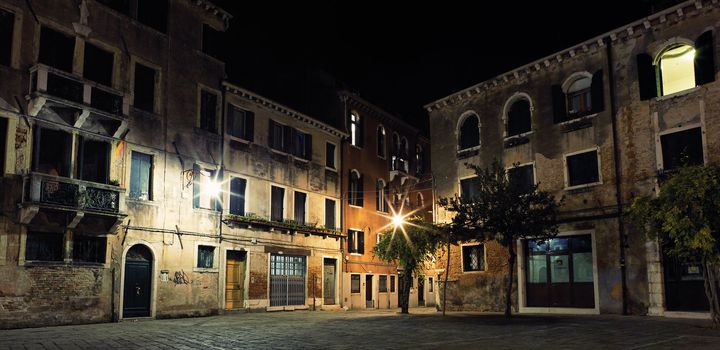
(206, 256)
(330, 155)
(237, 196)
(381, 141)
(473, 257)
(381, 196)
(7, 24)
(56, 49)
(399, 154)
(676, 69)
(240, 123)
(98, 65)
(354, 283)
(469, 188)
(302, 144)
(286, 139)
(212, 41)
(469, 132)
(419, 201)
(41, 246)
(382, 285)
(430, 283)
(89, 249)
(518, 117)
(208, 111)
(144, 88)
(522, 177)
(141, 176)
(150, 13)
(300, 203)
(355, 130)
(277, 203)
(356, 241)
(582, 168)
(330, 214)
(419, 160)
(94, 160)
(682, 148)
(278, 136)
(52, 152)
(579, 101)
(404, 148)
(206, 188)
(392, 284)
(580, 95)
(355, 189)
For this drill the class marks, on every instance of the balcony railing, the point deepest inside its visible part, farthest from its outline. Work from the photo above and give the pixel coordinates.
(252, 219)
(73, 90)
(72, 193)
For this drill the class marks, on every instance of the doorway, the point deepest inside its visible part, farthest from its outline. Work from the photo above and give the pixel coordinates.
(684, 285)
(421, 291)
(369, 292)
(329, 282)
(235, 279)
(138, 282)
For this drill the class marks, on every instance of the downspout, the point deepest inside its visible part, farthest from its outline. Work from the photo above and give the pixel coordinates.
(618, 183)
(342, 204)
(223, 112)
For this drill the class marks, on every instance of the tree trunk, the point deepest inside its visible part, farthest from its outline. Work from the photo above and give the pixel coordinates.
(711, 272)
(447, 273)
(508, 287)
(405, 295)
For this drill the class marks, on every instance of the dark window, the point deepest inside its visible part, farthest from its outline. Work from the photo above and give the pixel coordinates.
(94, 160)
(206, 256)
(52, 152)
(356, 242)
(89, 249)
(419, 160)
(682, 148)
(430, 283)
(330, 214)
(354, 283)
(301, 144)
(469, 188)
(380, 197)
(583, 168)
(300, 201)
(141, 176)
(237, 196)
(381, 141)
(241, 123)
(518, 118)
(153, 14)
(469, 132)
(56, 49)
(473, 257)
(40, 246)
(208, 111)
(7, 23)
(330, 155)
(382, 285)
(355, 189)
(392, 284)
(212, 41)
(356, 133)
(276, 136)
(277, 203)
(522, 177)
(98, 65)
(144, 91)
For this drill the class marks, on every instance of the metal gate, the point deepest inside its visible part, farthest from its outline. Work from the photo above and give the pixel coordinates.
(287, 280)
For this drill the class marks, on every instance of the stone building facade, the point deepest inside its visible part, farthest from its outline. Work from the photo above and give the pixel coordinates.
(598, 124)
(385, 171)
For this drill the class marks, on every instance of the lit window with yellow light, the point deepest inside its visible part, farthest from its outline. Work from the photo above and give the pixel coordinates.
(677, 69)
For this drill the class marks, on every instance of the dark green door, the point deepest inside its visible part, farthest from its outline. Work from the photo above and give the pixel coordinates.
(138, 275)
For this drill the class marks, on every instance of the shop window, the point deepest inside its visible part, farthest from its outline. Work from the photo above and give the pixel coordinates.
(206, 257)
(41, 246)
(330, 155)
(94, 160)
(354, 283)
(382, 284)
(56, 49)
(7, 25)
(89, 249)
(356, 242)
(469, 132)
(518, 117)
(299, 205)
(277, 203)
(473, 257)
(582, 168)
(241, 123)
(52, 152)
(522, 178)
(330, 221)
(141, 176)
(682, 148)
(144, 88)
(98, 65)
(208, 111)
(381, 141)
(237, 196)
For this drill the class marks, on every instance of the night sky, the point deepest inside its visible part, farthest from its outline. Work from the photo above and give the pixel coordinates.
(401, 57)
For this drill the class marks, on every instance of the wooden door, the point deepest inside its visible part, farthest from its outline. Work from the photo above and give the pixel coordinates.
(235, 279)
(329, 282)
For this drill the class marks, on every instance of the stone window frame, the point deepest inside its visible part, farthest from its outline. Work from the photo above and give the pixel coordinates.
(461, 121)
(659, 163)
(154, 155)
(158, 101)
(286, 190)
(216, 257)
(569, 81)
(657, 57)
(566, 170)
(337, 210)
(519, 95)
(462, 258)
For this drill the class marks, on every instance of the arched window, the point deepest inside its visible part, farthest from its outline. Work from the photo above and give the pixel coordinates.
(381, 141)
(355, 130)
(380, 194)
(355, 189)
(580, 95)
(469, 132)
(676, 69)
(579, 98)
(518, 117)
(420, 201)
(419, 160)
(395, 144)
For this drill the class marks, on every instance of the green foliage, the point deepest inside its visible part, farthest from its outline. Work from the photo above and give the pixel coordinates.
(411, 248)
(685, 216)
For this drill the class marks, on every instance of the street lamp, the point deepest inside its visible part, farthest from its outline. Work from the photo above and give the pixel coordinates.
(398, 220)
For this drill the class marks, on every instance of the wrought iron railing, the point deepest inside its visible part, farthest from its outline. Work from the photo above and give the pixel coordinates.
(72, 193)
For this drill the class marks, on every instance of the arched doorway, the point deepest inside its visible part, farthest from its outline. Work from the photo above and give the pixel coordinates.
(138, 282)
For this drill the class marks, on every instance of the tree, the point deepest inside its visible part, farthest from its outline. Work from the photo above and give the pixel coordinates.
(503, 210)
(685, 219)
(412, 245)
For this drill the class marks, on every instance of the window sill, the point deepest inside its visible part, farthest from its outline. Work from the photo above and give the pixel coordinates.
(354, 206)
(356, 146)
(474, 271)
(134, 201)
(206, 211)
(677, 94)
(518, 136)
(238, 139)
(576, 119)
(356, 254)
(330, 169)
(205, 270)
(583, 186)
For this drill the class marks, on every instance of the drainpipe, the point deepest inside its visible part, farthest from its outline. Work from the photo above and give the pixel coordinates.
(223, 112)
(342, 204)
(618, 174)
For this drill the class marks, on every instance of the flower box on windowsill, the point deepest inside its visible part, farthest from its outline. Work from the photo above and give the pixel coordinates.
(290, 226)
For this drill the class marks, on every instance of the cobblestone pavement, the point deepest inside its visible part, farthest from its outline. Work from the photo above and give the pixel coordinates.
(425, 329)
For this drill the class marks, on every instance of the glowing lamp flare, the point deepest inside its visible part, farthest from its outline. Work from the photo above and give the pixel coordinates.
(213, 188)
(398, 220)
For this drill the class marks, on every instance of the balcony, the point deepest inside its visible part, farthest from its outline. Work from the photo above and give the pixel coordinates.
(399, 167)
(250, 220)
(47, 192)
(76, 100)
